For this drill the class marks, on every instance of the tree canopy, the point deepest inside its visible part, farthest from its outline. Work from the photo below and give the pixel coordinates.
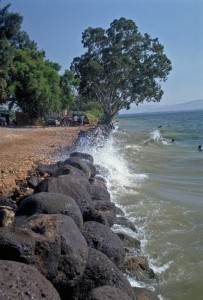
(9, 27)
(27, 78)
(121, 66)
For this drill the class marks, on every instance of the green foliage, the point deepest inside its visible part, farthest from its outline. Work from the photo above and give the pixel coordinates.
(34, 85)
(94, 108)
(9, 26)
(93, 120)
(120, 67)
(69, 85)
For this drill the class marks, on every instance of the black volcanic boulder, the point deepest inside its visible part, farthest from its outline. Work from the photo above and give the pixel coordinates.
(125, 222)
(80, 164)
(69, 170)
(20, 281)
(49, 203)
(71, 186)
(106, 209)
(102, 238)
(100, 271)
(48, 168)
(99, 192)
(61, 251)
(7, 202)
(82, 155)
(17, 244)
(107, 293)
(131, 244)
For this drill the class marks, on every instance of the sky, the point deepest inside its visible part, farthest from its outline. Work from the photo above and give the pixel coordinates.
(57, 26)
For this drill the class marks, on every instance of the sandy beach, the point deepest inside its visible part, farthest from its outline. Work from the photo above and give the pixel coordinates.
(22, 149)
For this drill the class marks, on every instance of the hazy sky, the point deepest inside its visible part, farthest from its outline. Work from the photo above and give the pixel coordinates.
(57, 26)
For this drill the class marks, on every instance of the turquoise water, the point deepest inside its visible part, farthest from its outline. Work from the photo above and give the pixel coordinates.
(159, 186)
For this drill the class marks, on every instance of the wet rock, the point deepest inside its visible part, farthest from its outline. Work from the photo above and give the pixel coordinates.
(79, 164)
(49, 203)
(144, 294)
(131, 244)
(99, 193)
(21, 281)
(100, 271)
(106, 209)
(82, 155)
(123, 221)
(102, 238)
(138, 267)
(71, 186)
(68, 170)
(108, 293)
(101, 170)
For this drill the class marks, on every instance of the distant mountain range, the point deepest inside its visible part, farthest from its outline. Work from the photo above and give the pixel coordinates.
(187, 106)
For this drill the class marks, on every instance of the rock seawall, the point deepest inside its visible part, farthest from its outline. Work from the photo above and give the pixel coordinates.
(61, 234)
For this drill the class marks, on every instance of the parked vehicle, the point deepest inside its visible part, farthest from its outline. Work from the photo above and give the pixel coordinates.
(53, 121)
(2, 119)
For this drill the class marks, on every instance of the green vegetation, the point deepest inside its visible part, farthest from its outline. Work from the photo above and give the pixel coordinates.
(120, 67)
(27, 79)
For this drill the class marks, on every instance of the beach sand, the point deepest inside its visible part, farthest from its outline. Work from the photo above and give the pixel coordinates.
(22, 149)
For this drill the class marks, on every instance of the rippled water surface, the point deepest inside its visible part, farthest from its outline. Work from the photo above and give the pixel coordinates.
(159, 186)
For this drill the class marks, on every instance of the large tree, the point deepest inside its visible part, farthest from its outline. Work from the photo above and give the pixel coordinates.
(69, 85)
(121, 66)
(9, 27)
(34, 83)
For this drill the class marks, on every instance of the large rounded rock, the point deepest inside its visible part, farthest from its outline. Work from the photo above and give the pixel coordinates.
(69, 170)
(107, 293)
(100, 271)
(60, 249)
(82, 155)
(49, 203)
(71, 186)
(80, 164)
(125, 222)
(106, 209)
(102, 238)
(48, 168)
(17, 244)
(23, 282)
(131, 244)
(7, 202)
(99, 193)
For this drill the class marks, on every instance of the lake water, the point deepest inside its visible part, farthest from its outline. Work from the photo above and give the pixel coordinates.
(159, 186)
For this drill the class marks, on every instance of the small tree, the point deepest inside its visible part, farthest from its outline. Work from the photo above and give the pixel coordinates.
(120, 67)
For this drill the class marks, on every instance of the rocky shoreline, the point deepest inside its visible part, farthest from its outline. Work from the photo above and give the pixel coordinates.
(58, 242)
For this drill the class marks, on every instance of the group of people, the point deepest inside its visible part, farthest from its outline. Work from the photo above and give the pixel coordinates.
(74, 120)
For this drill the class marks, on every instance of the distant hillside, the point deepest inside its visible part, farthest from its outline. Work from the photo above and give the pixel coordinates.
(147, 108)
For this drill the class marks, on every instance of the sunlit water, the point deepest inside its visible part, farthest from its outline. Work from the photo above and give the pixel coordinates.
(159, 186)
